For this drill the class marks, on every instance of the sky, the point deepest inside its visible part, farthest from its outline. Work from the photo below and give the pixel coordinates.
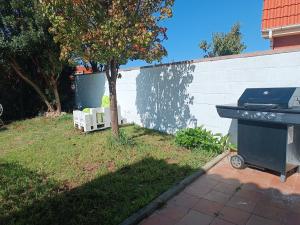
(196, 20)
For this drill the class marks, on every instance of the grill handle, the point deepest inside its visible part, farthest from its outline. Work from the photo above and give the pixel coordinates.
(260, 106)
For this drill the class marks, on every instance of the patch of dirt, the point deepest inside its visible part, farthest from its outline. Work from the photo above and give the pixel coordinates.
(66, 186)
(171, 161)
(111, 166)
(30, 142)
(19, 127)
(54, 114)
(91, 167)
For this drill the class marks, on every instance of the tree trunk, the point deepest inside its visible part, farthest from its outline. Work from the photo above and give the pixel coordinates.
(18, 71)
(56, 95)
(112, 80)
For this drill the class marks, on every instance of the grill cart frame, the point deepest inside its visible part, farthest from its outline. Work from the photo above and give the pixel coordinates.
(268, 129)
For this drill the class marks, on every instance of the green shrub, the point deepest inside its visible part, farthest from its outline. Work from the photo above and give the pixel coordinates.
(123, 140)
(202, 139)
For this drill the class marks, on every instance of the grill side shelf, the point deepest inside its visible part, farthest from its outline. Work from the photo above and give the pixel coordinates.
(265, 116)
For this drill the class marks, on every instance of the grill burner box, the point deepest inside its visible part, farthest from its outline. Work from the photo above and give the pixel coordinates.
(268, 129)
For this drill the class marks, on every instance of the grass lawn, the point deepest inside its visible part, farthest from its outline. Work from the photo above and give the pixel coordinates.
(53, 174)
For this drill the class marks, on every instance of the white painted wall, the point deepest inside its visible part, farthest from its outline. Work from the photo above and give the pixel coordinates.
(167, 97)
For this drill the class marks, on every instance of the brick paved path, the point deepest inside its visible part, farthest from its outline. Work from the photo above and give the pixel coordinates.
(225, 196)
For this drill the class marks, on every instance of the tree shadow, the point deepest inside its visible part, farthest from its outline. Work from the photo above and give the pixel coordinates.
(3, 128)
(162, 98)
(27, 197)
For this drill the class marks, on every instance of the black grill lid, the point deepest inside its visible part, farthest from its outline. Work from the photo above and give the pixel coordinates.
(266, 97)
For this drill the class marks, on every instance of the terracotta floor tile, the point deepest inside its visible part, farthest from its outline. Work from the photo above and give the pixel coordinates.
(243, 175)
(217, 197)
(296, 189)
(257, 220)
(286, 187)
(294, 204)
(274, 193)
(175, 213)
(275, 202)
(227, 188)
(234, 215)
(184, 200)
(232, 181)
(260, 181)
(198, 190)
(219, 221)
(157, 220)
(224, 179)
(263, 174)
(246, 204)
(294, 176)
(251, 187)
(208, 207)
(226, 196)
(250, 194)
(195, 218)
(226, 173)
(291, 219)
(269, 212)
(205, 180)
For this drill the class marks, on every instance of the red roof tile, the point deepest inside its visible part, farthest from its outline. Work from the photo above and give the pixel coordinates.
(83, 70)
(280, 13)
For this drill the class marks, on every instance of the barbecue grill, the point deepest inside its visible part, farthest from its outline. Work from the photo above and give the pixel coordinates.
(268, 129)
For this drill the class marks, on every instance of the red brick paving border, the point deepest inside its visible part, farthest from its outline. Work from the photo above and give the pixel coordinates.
(225, 196)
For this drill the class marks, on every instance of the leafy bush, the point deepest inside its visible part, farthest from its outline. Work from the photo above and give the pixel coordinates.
(123, 140)
(202, 139)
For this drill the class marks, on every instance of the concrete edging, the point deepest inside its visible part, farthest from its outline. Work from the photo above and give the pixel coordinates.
(164, 197)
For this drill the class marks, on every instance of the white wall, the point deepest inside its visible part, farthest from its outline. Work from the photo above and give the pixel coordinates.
(167, 97)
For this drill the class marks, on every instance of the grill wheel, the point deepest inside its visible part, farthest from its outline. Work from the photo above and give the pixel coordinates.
(237, 162)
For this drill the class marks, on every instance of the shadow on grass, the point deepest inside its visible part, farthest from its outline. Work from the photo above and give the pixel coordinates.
(3, 129)
(27, 197)
(30, 198)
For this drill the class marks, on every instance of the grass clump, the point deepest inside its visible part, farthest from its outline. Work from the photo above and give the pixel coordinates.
(122, 141)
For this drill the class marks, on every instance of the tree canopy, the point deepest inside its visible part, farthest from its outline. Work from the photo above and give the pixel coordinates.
(28, 49)
(109, 32)
(224, 43)
(101, 30)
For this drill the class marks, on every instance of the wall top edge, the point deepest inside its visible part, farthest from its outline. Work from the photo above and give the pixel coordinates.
(244, 55)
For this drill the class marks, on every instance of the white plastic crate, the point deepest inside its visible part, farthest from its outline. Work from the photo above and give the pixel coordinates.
(95, 119)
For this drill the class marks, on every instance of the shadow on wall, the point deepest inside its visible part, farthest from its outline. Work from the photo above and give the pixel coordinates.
(89, 90)
(162, 99)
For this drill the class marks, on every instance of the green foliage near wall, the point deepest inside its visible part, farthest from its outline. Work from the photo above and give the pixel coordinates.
(201, 139)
